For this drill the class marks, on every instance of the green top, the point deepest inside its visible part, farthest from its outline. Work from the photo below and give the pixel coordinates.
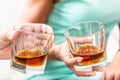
(69, 12)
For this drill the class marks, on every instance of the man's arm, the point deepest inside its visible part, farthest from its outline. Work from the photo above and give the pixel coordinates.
(36, 11)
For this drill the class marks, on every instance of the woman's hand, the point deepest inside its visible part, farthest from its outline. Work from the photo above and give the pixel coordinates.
(10, 35)
(112, 72)
(65, 56)
(6, 43)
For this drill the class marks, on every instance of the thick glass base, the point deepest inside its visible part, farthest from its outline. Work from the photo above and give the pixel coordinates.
(98, 67)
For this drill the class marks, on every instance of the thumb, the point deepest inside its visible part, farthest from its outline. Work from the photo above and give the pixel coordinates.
(12, 34)
(7, 35)
(72, 61)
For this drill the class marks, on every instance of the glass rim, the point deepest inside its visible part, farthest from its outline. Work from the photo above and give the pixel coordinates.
(19, 26)
(101, 28)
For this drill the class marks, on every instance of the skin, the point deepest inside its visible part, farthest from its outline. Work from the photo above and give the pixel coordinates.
(7, 36)
(36, 11)
(112, 72)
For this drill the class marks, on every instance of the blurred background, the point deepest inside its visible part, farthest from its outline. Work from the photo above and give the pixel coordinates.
(9, 15)
(9, 12)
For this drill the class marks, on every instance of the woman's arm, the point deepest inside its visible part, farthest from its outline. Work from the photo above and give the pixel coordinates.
(36, 11)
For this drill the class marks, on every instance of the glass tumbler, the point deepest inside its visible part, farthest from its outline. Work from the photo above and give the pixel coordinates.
(30, 49)
(87, 40)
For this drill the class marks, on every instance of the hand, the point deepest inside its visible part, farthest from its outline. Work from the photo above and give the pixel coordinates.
(9, 36)
(65, 56)
(35, 36)
(112, 72)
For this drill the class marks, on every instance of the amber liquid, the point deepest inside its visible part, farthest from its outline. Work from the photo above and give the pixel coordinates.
(90, 54)
(30, 57)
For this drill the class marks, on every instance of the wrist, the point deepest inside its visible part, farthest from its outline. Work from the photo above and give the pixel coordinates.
(54, 52)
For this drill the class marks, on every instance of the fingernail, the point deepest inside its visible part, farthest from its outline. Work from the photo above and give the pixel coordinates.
(79, 59)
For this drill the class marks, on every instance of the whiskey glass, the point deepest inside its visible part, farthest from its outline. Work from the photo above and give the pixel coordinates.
(87, 40)
(30, 49)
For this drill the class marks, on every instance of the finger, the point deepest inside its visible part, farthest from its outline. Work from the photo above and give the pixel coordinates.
(117, 77)
(109, 76)
(48, 28)
(37, 27)
(72, 61)
(78, 40)
(17, 30)
(12, 34)
(43, 28)
(82, 40)
(51, 37)
(103, 76)
(44, 32)
(50, 41)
